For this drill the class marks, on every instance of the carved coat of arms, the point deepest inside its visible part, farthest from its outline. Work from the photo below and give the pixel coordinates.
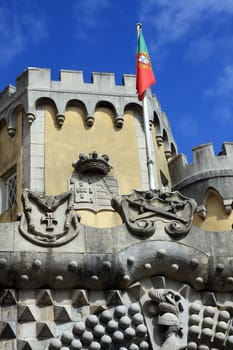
(92, 186)
(141, 210)
(48, 220)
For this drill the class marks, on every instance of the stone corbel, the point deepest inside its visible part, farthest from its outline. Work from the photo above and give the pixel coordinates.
(119, 121)
(90, 120)
(30, 117)
(60, 118)
(228, 205)
(159, 139)
(168, 154)
(11, 125)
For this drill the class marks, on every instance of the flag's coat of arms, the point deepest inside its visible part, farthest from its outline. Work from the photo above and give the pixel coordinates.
(144, 73)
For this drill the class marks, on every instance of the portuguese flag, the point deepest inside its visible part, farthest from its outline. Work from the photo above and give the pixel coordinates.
(144, 73)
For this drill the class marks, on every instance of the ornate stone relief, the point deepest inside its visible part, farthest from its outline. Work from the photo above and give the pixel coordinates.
(141, 210)
(120, 326)
(48, 220)
(92, 186)
(152, 314)
(169, 306)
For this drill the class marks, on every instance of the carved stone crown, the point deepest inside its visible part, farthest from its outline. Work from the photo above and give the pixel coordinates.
(92, 163)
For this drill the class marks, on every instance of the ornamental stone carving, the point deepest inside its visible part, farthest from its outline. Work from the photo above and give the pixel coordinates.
(121, 327)
(141, 210)
(169, 307)
(92, 186)
(48, 220)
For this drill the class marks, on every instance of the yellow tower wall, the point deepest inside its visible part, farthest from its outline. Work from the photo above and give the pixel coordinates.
(11, 160)
(63, 146)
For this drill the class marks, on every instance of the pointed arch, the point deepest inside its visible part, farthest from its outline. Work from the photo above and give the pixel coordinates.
(173, 149)
(157, 124)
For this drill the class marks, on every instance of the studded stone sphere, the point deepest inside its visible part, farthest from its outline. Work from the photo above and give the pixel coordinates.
(203, 347)
(120, 311)
(207, 333)
(222, 326)
(79, 328)
(141, 330)
(76, 344)
(224, 316)
(137, 319)
(95, 346)
(106, 340)
(192, 346)
(133, 309)
(106, 316)
(209, 311)
(195, 308)
(92, 321)
(133, 347)
(129, 333)
(67, 337)
(55, 344)
(124, 322)
(117, 336)
(194, 331)
(144, 345)
(208, 322)
(194, 319)
(99, 331)
(230, 342)
(87, 337)
(112, 325)
(219, 337)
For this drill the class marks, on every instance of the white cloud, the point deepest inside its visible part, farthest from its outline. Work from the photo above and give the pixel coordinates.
(88, 15)
(223, 87)
(174, 20)
(187, 127)
(20, 26)
(221, 93)
(200, 49)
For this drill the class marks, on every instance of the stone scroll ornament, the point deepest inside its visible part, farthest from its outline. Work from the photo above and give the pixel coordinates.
(48, 220)
(141, 210)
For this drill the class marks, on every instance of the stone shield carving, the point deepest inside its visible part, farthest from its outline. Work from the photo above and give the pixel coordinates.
(48, 220)
(141, 210)
(92, 186)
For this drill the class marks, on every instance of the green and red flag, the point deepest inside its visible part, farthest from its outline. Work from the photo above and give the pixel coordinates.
(144, 73)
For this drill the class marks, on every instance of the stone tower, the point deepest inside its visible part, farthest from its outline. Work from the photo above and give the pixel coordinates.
(90, 258)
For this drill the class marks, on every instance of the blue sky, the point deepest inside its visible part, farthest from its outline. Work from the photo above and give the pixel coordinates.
(190, 44)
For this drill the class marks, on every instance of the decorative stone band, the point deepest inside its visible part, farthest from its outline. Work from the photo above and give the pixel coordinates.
(113, 258)
(155, 313)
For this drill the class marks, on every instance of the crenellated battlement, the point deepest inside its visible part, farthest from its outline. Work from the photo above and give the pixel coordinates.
(101, 83)
(206, 171)
(35, 85)
(204, 161)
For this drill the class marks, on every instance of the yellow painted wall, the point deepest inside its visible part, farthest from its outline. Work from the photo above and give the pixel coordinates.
(161, 162)
(11, 156)
(63, 146)
(217, 219)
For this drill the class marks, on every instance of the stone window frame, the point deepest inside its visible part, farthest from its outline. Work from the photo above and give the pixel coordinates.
(8, 189)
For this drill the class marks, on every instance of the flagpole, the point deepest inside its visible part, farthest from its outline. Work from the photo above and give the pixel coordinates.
(149, 147)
